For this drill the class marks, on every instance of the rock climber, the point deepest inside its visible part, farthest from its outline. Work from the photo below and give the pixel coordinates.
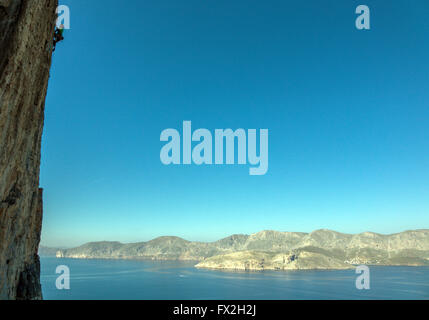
(58, 35)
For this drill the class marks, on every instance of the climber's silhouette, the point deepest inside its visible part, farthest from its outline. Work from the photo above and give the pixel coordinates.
(58, 35)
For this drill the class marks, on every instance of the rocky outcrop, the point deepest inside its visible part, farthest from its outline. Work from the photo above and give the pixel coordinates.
(26, 30)
(47, 251)
(301, 259)
(320, 249)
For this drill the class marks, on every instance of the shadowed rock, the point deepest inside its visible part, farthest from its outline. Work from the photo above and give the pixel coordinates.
(26, 29)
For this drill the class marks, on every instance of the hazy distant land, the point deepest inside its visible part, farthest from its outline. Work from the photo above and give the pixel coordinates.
(270, 250)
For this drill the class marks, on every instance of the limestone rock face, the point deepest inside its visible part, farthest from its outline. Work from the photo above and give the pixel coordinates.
(26, 32)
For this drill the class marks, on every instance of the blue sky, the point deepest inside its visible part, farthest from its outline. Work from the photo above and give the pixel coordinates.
(347, 113)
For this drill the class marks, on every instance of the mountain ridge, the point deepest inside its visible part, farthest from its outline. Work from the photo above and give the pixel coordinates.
(321, 248)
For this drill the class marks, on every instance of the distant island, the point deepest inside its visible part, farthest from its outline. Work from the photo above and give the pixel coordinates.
(272, 250)
(48, 251)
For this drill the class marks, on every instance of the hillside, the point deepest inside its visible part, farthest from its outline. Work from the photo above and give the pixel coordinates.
(321, 249)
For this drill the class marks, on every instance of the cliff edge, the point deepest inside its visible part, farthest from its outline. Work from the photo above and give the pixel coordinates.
(26, 31)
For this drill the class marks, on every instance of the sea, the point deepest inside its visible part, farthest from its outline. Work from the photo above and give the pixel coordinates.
(178, 280)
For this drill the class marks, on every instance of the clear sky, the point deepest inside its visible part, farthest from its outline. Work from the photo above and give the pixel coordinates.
(347, 112)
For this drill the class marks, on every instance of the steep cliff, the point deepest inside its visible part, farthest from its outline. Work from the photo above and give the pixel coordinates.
(26, 30)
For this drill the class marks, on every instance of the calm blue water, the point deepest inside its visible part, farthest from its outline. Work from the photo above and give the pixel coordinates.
(124, 279)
